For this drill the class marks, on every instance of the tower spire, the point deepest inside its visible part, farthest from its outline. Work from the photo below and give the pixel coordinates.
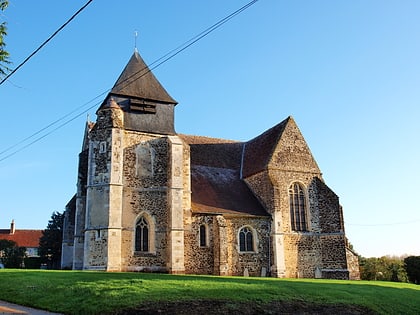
(135, 41)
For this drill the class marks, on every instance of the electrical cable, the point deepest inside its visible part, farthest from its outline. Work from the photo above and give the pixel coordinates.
(45, 42)
(51, 124)
(185, 45)
(127, 81)
(48, 133)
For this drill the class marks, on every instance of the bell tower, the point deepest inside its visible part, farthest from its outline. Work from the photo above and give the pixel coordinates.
(146, 105)
(135, 174)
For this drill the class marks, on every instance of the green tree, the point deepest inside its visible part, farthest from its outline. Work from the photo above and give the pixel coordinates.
(412, 265)
(368, 268)
(4, 55)
(385, 268)
(50, 241)
(12, 255)
(6, 244)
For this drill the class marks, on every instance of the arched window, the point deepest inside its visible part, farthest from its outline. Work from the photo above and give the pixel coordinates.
(203, 236)
(246, 240)
(297, 200)
(142, 235)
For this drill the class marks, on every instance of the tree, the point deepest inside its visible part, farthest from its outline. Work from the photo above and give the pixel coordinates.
(12, 255)
(412, 265)
(4, 55)
(50, 241)
(385, 268)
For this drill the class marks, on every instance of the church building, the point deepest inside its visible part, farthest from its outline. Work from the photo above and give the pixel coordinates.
(149, 199)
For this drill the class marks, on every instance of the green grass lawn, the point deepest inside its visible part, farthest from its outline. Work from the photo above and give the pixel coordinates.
(82, 292)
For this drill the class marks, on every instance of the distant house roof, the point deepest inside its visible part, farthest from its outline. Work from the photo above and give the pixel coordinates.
(137, 81)
(215, 182)
(23, 238)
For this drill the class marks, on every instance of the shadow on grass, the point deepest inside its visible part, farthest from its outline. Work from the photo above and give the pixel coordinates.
(73, 292)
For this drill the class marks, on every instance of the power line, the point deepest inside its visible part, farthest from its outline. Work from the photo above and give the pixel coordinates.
(45, 42)
(48, 133)
(186, 44)
(171, 54)
(50, 125)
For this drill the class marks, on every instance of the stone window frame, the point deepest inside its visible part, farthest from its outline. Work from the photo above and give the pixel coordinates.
(142, 235)
(301, 208)
(144, 150)
(254, 240)
(151, 232)
(206, 235)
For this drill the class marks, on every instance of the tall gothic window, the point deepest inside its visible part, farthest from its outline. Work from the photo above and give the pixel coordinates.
(297, 200)
(203, 236)
(246, 240)
(142, 235)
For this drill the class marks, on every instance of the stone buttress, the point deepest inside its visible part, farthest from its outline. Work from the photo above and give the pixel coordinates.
(102, 247)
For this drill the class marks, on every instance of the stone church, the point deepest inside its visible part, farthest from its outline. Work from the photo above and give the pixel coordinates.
(149, 199)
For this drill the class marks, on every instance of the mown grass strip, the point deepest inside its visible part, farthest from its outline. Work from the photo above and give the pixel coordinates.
(76, 292)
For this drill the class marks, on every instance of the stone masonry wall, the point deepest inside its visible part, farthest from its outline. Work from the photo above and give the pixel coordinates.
(200, 259)
(145, 193)
(97, 200)
(223, 246)
(320, 251)
(353, 265)
(256, 263)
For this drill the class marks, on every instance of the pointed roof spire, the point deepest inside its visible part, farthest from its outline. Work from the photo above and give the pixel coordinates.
(135, 41)
(138, 81)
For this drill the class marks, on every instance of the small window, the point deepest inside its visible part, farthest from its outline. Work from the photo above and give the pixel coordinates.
(142, 235)
(102, 147)
(297, 200)
(203, 236)
(98, 234)
(246, 240)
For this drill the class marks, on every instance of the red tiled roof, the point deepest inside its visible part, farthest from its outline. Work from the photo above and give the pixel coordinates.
(24, 238)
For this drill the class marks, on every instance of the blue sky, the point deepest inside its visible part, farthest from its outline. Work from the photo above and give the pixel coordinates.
(347, 71)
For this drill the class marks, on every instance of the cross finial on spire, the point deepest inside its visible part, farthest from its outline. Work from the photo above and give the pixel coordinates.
(135, 40)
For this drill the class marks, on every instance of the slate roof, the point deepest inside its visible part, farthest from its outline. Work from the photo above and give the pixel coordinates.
(214, 152)
(215, 180)
(25, 238)
(259, 150)
(221, 191)
(138, 81)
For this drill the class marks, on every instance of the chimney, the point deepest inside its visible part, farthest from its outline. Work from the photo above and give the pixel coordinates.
(12, 227)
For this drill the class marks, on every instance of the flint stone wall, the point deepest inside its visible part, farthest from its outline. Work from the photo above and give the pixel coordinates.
(145, 175)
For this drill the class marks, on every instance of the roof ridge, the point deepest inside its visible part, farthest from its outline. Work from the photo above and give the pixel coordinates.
(186, 137)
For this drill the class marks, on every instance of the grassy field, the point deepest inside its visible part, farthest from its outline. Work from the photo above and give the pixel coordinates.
(73, 292)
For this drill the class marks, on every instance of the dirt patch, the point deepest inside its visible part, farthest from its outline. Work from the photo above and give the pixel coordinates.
(205, 307)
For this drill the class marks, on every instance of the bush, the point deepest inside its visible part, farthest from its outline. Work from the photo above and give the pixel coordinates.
(412, 265)
(384, 268)
(32, 262)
